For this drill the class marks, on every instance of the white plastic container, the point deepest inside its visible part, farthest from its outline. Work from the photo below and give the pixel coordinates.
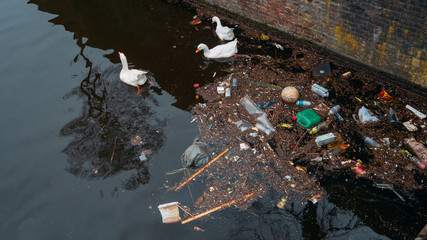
(227, 92)
(325, 139)
(220, 90)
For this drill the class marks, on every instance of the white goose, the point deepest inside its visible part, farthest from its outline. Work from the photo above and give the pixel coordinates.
(131, 77)
(224, 33)
(221, 51)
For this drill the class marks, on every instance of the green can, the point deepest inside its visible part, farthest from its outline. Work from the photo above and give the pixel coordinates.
(308, 118)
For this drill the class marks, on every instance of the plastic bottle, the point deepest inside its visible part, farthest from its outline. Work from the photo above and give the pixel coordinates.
(321, 91)
(371, 142)
(325, 139)
(234, 83)
(303, 103)
(417, 148)
(320, 126)
(417, 161)
(334, 111)
(227, 92)
(265, 105)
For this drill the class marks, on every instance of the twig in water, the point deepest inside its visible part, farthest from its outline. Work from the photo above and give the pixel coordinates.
(201, 170)
(215, 209)
(175, 171)
(191, 195)
(187, 212)
(246, 179)
(114, 149)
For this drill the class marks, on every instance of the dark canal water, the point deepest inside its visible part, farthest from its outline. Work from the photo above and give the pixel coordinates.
(68, 170)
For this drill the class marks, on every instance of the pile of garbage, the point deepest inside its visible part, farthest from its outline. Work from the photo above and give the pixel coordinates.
(279, 116)
(284, 128)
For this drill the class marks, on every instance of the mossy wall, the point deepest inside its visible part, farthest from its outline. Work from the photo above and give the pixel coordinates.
(388, 35)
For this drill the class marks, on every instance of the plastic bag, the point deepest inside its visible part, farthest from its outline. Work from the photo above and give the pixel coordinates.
(366, 116)
(264, 125)
(261, 117)
(196, 155)
(250, 106)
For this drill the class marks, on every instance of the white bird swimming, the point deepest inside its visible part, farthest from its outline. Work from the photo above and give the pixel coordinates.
(221, 51)
(223, 32)
(132, 77)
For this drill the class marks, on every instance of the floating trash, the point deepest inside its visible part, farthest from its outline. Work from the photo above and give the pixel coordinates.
(170, 212)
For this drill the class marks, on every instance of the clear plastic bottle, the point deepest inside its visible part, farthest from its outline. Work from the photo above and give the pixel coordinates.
(334, 111)
(371, 142)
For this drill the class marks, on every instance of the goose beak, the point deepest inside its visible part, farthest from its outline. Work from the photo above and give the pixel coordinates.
(197, 50)
(120, 53)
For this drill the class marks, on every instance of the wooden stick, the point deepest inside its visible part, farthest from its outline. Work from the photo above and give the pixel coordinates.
(201, 169)
(114, 149)
(300, 139)
(187, 212)
(191, 195)
(215, 209)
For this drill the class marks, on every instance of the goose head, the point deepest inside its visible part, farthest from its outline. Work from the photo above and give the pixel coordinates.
(123, 60)
(201, 47)
(216, 19)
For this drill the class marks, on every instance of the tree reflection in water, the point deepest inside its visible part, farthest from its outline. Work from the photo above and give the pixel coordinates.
(115, 128)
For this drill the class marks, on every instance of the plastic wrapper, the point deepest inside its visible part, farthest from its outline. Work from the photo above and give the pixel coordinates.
(366, 116)
(243, 125)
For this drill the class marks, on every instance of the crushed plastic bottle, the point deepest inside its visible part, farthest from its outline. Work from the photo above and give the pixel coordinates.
(321, 91)
(371, 142)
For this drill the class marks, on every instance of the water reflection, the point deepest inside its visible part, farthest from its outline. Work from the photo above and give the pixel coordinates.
(117, 126)
(154, 34)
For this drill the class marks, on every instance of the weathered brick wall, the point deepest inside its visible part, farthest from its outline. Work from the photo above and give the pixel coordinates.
(388, 35)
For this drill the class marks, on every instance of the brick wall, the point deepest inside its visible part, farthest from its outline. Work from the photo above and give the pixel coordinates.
(388, 35)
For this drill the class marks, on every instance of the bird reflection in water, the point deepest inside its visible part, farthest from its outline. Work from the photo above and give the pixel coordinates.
(117, 130)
